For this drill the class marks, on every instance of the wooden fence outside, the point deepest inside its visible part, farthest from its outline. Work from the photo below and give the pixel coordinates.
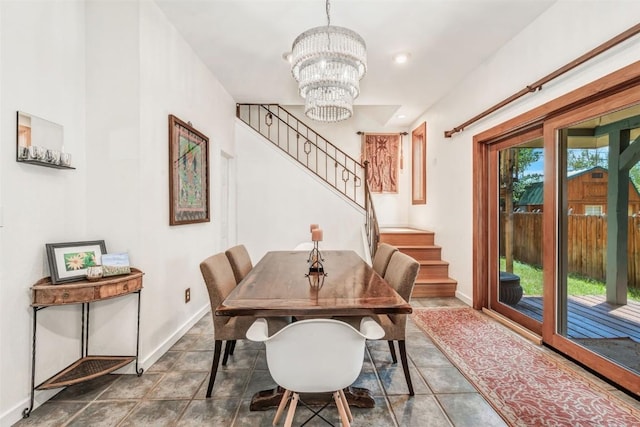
(587, 244)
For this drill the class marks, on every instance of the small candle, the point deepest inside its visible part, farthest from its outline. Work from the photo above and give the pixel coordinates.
(316, 235)
(313, 227)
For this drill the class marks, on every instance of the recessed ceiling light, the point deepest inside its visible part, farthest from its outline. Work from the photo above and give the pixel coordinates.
(401, 58)
(401, 116)
(287, 57)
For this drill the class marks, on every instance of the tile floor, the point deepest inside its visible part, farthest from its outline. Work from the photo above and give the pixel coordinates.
(172, 391)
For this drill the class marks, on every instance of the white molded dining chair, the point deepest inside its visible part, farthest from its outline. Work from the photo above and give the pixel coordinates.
(304, 246)
(315, 356)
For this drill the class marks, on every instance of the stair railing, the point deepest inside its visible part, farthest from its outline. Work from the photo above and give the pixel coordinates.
(371, 221)
(314, 152)
(335, 167)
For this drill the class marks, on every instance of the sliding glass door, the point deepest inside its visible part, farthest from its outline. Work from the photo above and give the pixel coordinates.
(557, 224)
(516, 210)
(599, 235)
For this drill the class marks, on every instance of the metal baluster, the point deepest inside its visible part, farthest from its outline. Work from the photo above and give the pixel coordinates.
(321, 145)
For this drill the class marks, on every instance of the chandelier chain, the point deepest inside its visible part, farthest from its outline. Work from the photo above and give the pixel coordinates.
(328, 10)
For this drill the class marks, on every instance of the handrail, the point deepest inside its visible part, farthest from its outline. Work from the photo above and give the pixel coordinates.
(311, 150)
(318, 135)
(371, 221)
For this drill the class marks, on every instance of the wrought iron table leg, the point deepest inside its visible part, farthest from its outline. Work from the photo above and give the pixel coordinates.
(140, 370)
(27, 411)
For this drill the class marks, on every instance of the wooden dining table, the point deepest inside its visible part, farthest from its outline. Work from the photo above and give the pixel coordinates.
(281, 284)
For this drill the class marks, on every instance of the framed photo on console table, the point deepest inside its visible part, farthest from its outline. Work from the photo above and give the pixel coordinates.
(419, 165)
(68, 262)
(188, 173)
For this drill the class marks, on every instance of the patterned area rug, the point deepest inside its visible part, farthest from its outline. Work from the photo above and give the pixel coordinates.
(523, 382)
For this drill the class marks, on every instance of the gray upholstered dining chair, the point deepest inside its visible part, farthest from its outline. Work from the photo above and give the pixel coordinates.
(240, 261)
(401, 274)
(220, 280)
(382, 257)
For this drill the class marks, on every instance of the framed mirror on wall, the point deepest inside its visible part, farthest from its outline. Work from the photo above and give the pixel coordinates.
(40, 142)
(419, 165)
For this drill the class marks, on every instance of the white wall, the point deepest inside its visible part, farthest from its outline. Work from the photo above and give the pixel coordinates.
(175, 81)
(564, 32)
(42, 73)
(391, 209)
(113, 75)
(110, 77)
(277, 199)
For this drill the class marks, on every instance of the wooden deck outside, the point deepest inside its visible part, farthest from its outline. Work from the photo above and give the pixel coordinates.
(591, 316)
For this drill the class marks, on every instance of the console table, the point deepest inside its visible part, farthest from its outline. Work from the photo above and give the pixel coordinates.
(45, 294)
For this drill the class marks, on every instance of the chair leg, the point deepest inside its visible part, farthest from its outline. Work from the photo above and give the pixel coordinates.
(292, 410)
(392, 349)
(405, 365)
(283, 404)
(346, 405)
(343, 415)
(214, 366)
(227, 350)
(233, 347)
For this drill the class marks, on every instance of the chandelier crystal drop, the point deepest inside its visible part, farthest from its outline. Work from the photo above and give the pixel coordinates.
(328, 63)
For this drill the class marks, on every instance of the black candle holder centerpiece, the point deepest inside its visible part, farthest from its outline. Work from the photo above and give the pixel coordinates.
(315, 260)
(315, 256)
(316, 280)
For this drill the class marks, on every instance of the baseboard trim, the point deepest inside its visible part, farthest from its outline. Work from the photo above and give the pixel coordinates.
(14, 414)
(464, 298)
(172, 339)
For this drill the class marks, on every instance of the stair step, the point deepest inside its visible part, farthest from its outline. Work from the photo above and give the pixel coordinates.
(433, 269)
(435, 288)
(422, 253)
(433, 278)
(406, 236)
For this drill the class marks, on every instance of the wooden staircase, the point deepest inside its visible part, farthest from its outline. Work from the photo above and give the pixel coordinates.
(433, 277)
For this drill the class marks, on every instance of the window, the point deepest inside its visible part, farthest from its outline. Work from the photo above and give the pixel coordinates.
(593, 210)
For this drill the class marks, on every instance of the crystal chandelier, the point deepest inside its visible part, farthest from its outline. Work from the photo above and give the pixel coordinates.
(328, 63)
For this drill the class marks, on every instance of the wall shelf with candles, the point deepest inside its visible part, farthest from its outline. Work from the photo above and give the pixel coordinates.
(40, 142)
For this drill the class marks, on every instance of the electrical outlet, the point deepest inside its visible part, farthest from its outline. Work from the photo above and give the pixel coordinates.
(187, 295)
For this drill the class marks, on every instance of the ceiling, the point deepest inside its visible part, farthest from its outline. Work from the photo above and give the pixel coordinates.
(243, 41)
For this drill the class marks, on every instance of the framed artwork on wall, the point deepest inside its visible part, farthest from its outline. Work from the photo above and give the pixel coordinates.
(419, 165)
(69, 262)
(188, 173)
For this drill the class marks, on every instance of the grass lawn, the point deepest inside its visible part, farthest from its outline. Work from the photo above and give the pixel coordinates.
(531, 282)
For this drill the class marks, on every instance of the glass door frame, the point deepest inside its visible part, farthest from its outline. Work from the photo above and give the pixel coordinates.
(617, 90)
(494, 225)
(554, 335)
